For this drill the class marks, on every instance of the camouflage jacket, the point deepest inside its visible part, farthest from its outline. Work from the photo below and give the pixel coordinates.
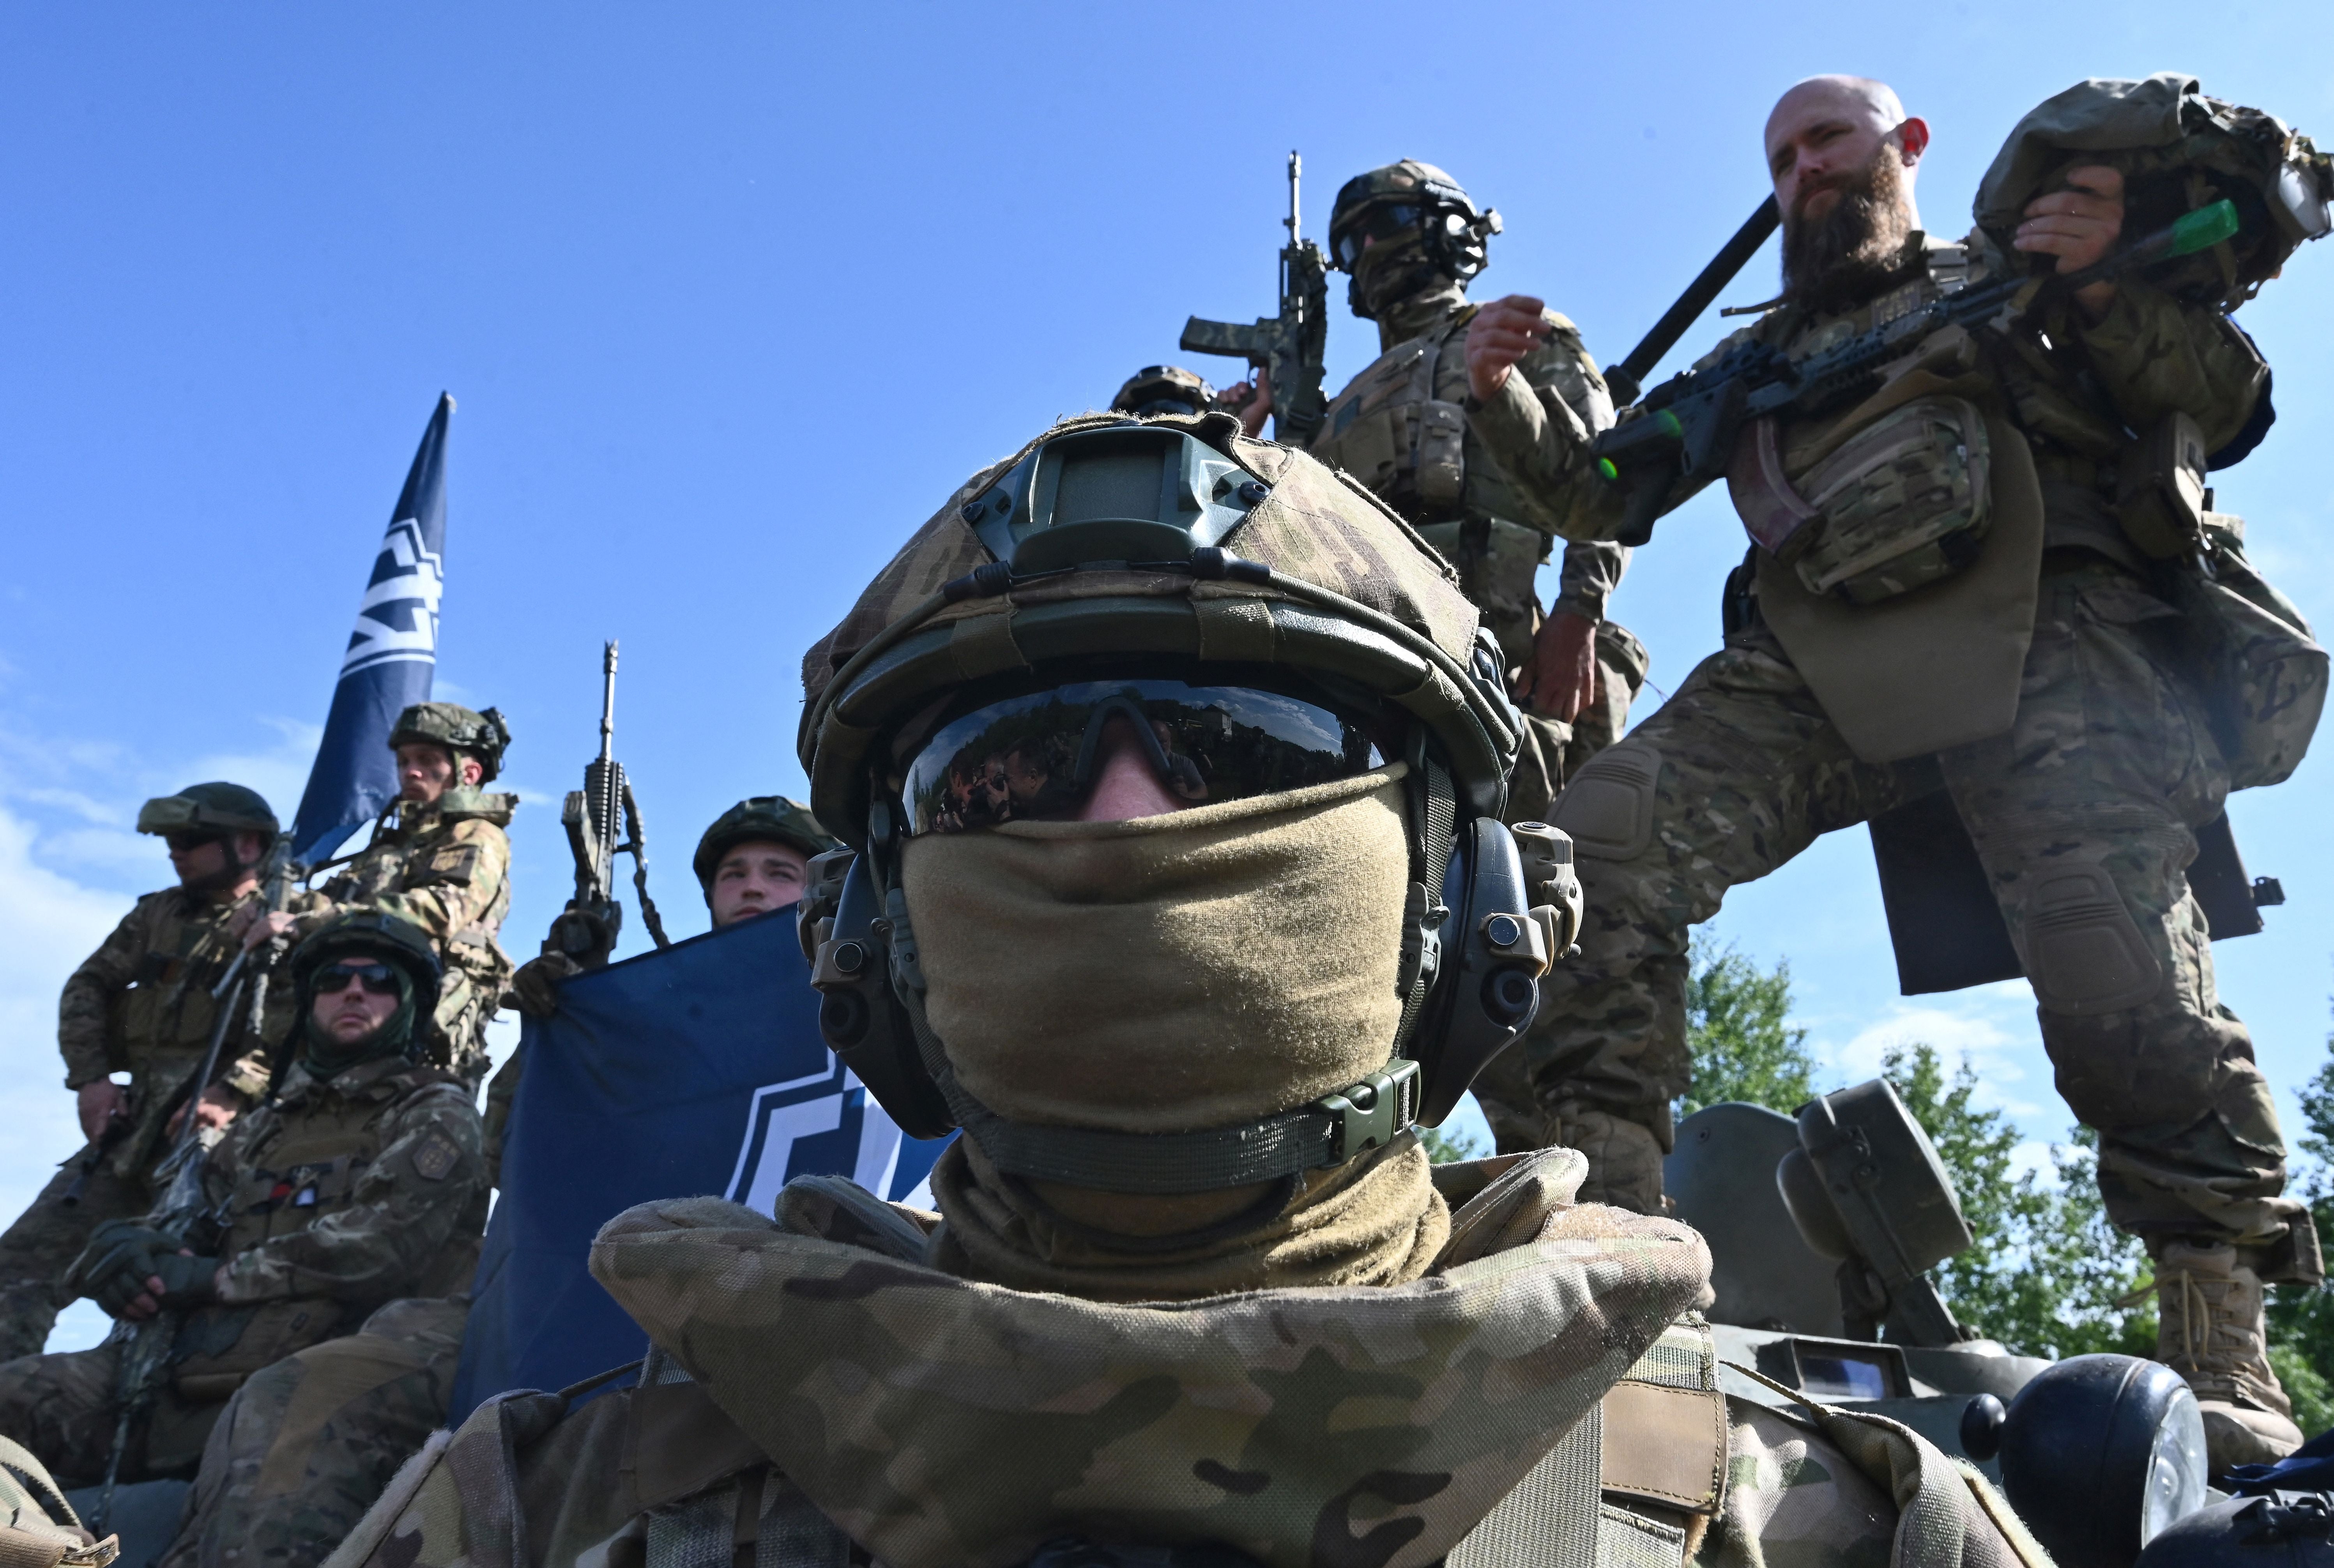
(447, 869)
(337, 1198)
(1399, 427)
(940, 1424)
(2075, 388)
(141, 1005)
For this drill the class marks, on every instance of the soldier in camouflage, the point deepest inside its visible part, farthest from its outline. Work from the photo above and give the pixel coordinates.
(1412, 240)
(439, 859)
(141, 1005)
(2075, 738)
(753, 860)
(359, 1182)
(1160, 1306)
(1164, 389)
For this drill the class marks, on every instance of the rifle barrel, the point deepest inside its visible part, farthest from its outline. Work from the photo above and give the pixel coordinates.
(1627, 379)
(1295, 167)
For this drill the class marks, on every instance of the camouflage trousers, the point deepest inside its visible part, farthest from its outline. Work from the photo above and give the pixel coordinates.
(2082, 816)
(63, 1407)
(42, 1244)
(307, 1444)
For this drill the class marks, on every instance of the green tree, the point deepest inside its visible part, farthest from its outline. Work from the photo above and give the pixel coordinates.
(2045, 1273)
(1738, 1030)
(2302, 1317)
(1443, 1148)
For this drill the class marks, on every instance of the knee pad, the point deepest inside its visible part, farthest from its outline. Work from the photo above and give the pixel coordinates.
(1609, 808)
(2084, 952)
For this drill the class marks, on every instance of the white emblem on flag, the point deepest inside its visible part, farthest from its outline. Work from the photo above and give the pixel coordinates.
(398, 617)
(853, 1137)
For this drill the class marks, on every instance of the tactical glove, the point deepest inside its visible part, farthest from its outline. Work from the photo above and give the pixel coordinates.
(535, 989)
(188, 1280)
(116, 1246)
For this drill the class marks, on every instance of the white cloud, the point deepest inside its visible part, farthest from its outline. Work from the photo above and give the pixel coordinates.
(1983, 1028)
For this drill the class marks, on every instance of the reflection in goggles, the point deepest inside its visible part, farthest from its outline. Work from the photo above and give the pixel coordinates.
(1036, 756)
(1378, 223)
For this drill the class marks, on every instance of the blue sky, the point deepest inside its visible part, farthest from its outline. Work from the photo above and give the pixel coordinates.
(732, 296)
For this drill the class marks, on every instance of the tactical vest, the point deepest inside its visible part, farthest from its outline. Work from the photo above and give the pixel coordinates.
(159, 1027)
(1393, 429)
(292, 1175)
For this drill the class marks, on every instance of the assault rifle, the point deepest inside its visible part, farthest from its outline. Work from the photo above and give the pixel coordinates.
(1293, 346)
(1685, 429)
(148, 1348)
(586, 931)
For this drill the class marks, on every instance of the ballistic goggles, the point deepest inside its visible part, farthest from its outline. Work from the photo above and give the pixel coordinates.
(1038, 755)
(1380, 222)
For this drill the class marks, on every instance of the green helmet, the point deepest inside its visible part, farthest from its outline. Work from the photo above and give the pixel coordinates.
(772, 818)
(217, 807)
(1110, 553)
(1425, 227)
(375, 934)
(482, 735)
(1164, 389)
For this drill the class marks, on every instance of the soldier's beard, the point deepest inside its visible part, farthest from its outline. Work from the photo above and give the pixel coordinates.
(1856, 250)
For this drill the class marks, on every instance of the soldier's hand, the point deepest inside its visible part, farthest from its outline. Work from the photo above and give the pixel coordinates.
(535, 989)
(100, 1103)
(1560, 679)
(218, 1106)
(2079, 225)
(1250, 401)
(262, 926)
(1502, 332)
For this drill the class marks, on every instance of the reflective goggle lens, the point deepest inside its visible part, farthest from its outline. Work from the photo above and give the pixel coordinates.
(379, 979)
(1373, 223)
(1036, 756)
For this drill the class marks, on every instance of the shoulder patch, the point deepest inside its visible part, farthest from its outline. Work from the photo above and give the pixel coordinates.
(454, 863)
(435, 1158)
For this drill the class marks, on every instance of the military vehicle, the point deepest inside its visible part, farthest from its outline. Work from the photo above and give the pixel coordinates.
(1822, 1229)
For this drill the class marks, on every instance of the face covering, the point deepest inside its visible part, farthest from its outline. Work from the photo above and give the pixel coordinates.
(1199, 970)
(326, 1058)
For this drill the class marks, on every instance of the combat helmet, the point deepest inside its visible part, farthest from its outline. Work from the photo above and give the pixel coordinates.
(1164, 389)
(1130, 558)
(774, 818)
(483, 735)
(387, 937)
(219, 808)
(1425, 226)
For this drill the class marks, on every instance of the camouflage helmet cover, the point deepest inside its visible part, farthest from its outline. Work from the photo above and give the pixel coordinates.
(483, 735)
(1304, 569)
(390, 939)
(1164, 389)
(758, 818)
(216, 807)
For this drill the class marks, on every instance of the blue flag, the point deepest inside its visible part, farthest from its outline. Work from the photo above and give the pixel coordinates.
(697, 1069)
(392, 656)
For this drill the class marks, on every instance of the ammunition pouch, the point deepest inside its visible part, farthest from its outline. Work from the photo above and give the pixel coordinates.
(2262, 674)
(219, 1347)
(2160, 489)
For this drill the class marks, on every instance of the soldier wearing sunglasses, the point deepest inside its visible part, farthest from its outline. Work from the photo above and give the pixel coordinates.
(348, 1204)
(141, 1006)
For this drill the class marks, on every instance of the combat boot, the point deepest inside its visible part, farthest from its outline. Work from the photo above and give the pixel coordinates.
(2210, 1330)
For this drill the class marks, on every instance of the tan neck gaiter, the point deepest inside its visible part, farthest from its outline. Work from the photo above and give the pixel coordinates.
(1200, 969)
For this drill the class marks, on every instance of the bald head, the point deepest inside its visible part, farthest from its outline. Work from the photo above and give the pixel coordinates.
(1828, 130)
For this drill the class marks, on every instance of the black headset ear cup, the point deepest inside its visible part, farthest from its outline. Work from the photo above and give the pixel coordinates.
(1488, 989)
(862, 1022)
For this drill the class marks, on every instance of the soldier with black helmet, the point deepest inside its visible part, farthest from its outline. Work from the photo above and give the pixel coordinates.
(755, 857)
(439, 859)
(358, 1182)
(141, 1005)
(1411, 239)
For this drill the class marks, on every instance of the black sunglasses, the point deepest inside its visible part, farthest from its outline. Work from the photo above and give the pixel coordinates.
(377, 979)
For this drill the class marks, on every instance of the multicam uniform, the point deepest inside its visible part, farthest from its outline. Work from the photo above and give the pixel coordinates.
(2080, 759)
(445, 868)
(1348, 1425)
(140, 1004)
(342, 1197)
(1400, 428)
